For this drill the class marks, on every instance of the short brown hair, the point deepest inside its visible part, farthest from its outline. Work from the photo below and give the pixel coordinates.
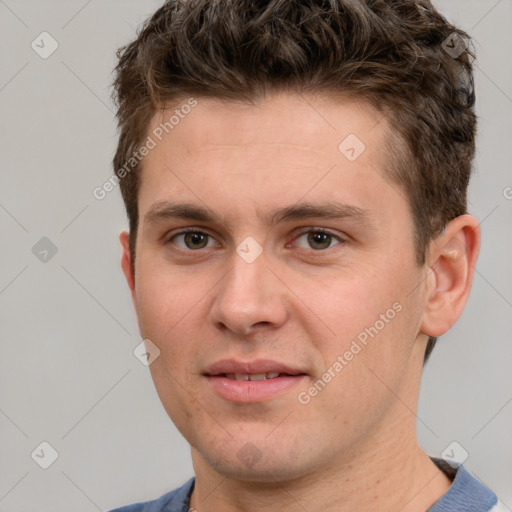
(401, 56)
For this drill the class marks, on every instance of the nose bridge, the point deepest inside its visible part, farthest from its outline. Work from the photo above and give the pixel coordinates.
(248, 294)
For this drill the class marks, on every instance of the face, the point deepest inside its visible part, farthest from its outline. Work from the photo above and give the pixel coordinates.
(270, 246)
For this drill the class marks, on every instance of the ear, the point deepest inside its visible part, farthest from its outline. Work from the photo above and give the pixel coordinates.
(452, 261)
(126, 263)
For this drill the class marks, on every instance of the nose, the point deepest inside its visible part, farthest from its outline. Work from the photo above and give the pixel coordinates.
(248, 297)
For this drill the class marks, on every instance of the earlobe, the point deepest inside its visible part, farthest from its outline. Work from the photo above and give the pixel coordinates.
(126, 261)
(452, 261)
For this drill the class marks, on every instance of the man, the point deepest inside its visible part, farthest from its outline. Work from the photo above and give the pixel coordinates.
(295, 178)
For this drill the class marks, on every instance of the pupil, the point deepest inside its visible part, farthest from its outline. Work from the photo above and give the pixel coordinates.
(195, 239)
(320, 238)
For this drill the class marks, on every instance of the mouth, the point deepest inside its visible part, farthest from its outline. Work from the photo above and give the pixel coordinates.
(255, 376)
(258, 368)
(252, 381)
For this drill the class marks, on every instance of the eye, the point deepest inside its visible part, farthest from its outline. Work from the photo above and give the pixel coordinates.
(192, 240)
(318, 239)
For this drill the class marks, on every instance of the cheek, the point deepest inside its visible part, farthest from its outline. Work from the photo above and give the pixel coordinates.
(168, 315)
(172, 307)
(345, 307)
(371, 324)
(369, 371)
(163, 299)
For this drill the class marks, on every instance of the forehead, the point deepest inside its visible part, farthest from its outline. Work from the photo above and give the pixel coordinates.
(305, 124)
(277, 151)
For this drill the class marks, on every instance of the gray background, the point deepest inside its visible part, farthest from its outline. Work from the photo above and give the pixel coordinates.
(68, 375)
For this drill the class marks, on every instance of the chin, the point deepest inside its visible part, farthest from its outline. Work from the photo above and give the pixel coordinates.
(264, 471)
(259, 458)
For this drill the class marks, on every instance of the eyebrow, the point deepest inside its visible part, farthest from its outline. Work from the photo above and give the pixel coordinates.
(165, 210)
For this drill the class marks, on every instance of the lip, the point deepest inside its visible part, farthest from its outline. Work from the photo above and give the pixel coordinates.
(247, 391)
(256, 366)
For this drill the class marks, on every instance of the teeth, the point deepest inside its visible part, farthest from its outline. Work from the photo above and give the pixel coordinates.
(252, 376)
(258, 376)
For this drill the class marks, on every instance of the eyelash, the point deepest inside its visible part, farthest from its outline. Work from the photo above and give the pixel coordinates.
(304, 232)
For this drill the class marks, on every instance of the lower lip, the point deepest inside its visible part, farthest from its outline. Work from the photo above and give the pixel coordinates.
(247, 391)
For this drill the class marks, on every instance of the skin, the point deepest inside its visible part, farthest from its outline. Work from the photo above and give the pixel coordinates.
(353, 446)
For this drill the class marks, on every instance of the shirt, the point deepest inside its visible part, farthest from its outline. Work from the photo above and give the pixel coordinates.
(466, 494)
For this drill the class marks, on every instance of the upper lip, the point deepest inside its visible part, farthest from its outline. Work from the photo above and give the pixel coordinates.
(225, 366)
